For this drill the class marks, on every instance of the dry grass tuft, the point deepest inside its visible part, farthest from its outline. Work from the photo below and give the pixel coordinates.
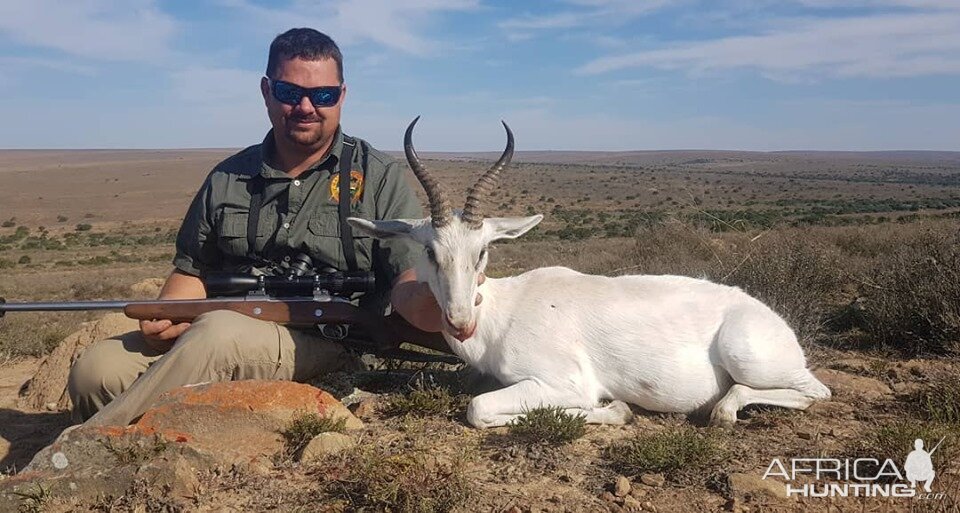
(549, 425)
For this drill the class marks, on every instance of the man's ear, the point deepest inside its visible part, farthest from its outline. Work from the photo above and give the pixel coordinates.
(510, 227)
(384, 229)
(265, 89)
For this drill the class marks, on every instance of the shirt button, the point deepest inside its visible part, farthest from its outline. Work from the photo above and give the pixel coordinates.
(286, 259)
(286, 225)
(296, 182)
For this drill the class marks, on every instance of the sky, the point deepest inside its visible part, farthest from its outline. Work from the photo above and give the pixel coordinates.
(565, 74)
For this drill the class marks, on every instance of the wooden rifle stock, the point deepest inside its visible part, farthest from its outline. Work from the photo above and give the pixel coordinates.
(385, 333)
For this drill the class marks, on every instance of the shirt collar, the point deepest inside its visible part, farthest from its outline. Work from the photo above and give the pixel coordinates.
(268, 146)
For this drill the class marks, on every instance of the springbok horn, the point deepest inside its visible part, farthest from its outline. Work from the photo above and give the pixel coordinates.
(472, 214)
(439, 206)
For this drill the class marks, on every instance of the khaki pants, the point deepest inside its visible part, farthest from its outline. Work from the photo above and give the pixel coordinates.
(116, 380)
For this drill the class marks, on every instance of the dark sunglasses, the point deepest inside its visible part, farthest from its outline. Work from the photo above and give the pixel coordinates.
(291, 94)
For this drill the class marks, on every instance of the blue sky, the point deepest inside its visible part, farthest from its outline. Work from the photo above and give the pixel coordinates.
(566, 74)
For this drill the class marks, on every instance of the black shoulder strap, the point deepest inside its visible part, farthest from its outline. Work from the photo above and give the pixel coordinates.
(253, 220)
(346, 234)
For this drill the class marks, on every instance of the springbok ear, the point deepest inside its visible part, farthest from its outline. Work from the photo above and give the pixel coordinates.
(384, 229)
(510, 227)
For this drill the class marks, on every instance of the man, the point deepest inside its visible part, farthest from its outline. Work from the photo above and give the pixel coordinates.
(291, 185)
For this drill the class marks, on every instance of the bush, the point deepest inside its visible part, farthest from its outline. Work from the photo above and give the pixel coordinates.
(672, 452)
(425, 401)
(550, 425)
(939, 401)
(24, 260)
(795, 276)
(911, 301)
(304, 427)
(376, 479)
(896, 440)
(83, 227)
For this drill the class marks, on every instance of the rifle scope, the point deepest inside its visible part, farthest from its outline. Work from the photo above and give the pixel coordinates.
(236, 284)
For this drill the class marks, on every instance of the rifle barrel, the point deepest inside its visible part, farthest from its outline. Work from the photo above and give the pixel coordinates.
(62, 307)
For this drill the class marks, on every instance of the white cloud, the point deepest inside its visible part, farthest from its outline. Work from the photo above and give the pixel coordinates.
(397, 25)
(586, 13)
(110, 30)
(886, 45)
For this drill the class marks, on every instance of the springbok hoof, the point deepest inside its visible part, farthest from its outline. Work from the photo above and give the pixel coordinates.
(620, 412)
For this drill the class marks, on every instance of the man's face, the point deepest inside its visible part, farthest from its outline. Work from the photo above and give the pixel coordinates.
(304, 125)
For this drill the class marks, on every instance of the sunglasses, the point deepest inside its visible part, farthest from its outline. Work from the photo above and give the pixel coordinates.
(291, 94)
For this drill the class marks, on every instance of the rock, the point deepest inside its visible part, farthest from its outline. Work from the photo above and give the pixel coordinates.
(621, 487)
(49, 384)
(147, 289)
(638, 492)
(648, 506)
(365, 408)
(631, 504)
(843, 384)
(655, 480)
(325, 444)
(176, 473)
(608, 497)
(805, 434)
(189, 430)
(747, 485)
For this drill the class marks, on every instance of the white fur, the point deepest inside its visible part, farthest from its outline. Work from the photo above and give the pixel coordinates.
(557, 337)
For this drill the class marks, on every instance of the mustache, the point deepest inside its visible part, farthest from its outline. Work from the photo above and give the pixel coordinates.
(306, 119)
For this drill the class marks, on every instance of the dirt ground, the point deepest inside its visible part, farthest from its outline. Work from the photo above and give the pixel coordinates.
(505, 473)
(875, 411)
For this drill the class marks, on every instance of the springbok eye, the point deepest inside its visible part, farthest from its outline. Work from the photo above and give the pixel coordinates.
(431, 255)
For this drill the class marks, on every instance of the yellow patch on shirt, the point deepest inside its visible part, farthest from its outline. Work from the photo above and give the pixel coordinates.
(356, 187)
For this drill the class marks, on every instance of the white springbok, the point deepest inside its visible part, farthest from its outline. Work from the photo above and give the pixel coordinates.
(557, 337)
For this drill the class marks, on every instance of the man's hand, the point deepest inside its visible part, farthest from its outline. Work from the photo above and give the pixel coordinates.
(161, 334)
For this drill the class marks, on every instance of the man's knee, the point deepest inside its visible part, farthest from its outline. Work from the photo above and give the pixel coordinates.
(224, 335)
(98, 375)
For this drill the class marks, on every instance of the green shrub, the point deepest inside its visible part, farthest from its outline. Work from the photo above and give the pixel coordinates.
(425, 401)
(374, 478)
(549, 425)
(672, 452)
(83, 227)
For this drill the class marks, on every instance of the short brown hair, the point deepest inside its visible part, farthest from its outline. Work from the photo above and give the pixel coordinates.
(303, 43)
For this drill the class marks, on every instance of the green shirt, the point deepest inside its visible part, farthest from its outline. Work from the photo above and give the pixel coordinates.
(298, 215)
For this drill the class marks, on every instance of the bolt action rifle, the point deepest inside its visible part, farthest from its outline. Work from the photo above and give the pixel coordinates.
(297, 301)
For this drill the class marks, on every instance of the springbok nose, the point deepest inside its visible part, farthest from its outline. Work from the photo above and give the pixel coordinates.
(461, 332)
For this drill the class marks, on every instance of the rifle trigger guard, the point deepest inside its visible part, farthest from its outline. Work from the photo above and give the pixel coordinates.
(334, 331)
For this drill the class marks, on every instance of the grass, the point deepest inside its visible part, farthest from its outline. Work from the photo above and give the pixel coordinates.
(135, 452)
(939, 401)
(304, 427)
(675, 452)
(425, 401)
(895, 441)
(33, 501)
(375, 478)
(548, 425)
